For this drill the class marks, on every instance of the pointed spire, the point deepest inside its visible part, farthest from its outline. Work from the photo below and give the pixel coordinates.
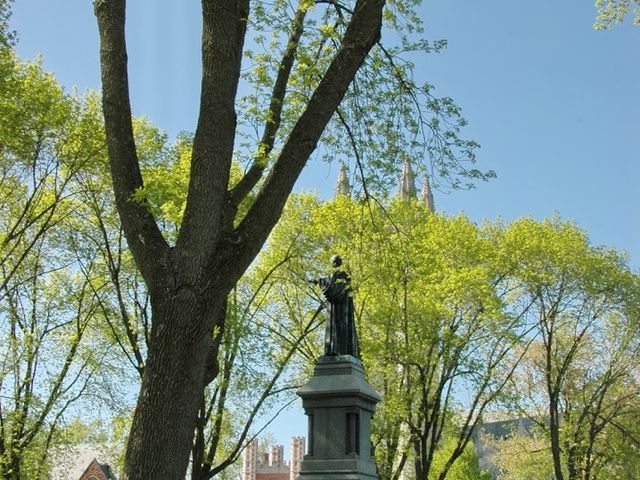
(342, 184)
(427, 195)
(407, 182)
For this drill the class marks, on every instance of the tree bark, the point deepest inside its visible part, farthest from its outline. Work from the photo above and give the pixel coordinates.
(174, 377)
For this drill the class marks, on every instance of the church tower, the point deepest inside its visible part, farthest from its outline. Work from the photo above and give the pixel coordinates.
(407, 182)
(427, 194)
(342, 184)
(408, 187)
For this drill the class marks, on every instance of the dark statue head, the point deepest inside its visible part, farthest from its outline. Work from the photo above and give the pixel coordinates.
(336, 261)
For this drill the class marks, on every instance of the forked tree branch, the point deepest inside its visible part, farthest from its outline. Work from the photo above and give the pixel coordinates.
(143, 235)
(224, 24)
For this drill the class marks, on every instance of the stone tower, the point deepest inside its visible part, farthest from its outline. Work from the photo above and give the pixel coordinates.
(407, 182)
(261, 465)
(297, 455)
(342, 184)
(427, 194)
(277, 456)
(250, 460)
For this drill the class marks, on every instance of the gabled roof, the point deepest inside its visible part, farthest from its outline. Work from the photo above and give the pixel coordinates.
(97, 470)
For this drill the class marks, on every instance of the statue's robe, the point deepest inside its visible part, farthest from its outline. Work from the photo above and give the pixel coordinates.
(341, 337)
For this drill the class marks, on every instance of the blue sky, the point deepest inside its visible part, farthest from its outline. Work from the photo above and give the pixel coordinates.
(554, 104)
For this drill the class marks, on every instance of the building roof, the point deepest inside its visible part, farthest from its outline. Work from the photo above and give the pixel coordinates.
(97, 471)
(70, 462)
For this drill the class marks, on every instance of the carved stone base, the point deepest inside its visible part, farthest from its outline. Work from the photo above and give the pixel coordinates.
(339, 404)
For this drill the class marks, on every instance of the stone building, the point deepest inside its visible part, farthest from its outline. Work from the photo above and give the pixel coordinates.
(258, 465)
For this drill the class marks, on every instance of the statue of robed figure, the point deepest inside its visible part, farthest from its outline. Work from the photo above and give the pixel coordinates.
(341, 337)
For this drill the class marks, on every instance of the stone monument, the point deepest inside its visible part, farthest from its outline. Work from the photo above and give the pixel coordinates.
(338, 401)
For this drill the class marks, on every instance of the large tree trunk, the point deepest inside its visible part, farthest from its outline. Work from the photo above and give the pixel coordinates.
(172, 384)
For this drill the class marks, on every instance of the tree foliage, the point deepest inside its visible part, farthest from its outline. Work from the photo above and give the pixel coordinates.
(430, 316)
(578, 381)
(613, 12)
(522, 456)
(86, 280)
(456, 321)
(52, 354)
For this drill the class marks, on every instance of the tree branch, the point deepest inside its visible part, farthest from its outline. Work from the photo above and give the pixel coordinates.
(254, 174)
(362, 32)
(143, 235)
(224, 25)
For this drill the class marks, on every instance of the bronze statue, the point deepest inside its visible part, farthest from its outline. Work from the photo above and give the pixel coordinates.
(341, 337)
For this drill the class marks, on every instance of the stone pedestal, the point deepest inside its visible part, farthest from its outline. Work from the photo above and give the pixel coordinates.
(339, 404)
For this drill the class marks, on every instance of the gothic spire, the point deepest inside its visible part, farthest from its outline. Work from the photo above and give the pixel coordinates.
(342, 184)
(427, 195)
(407, 182)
